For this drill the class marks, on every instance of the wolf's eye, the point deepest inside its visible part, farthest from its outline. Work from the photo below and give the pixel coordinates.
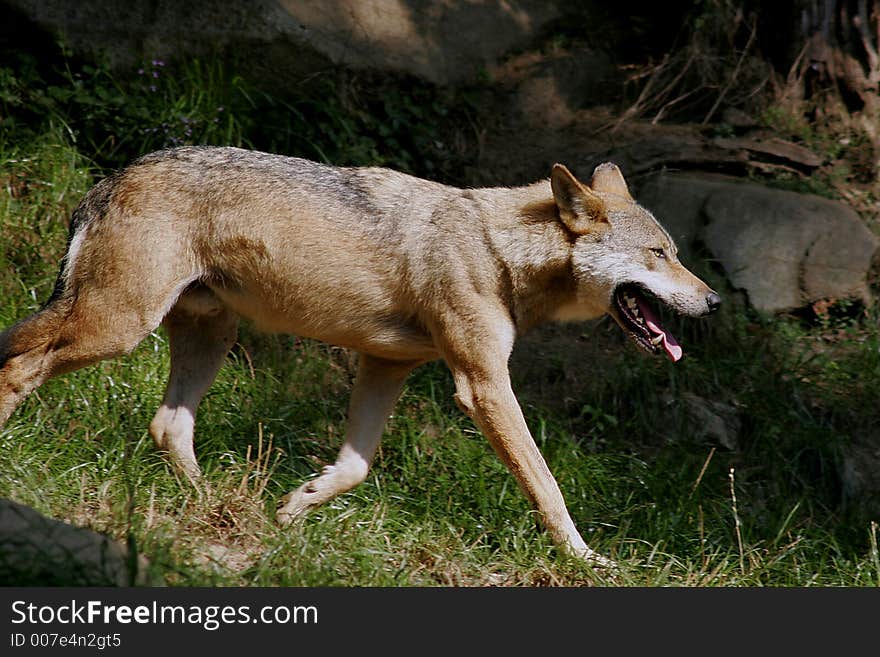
(660, 253)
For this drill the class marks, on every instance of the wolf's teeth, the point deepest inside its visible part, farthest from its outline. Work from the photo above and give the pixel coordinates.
(631, 303)
(656, 341)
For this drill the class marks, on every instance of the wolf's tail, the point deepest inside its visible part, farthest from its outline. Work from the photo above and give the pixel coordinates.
(92, 207)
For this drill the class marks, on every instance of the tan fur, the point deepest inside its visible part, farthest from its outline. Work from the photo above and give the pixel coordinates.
(400, 269)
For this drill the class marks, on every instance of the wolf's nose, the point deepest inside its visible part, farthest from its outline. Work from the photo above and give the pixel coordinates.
(713, 301)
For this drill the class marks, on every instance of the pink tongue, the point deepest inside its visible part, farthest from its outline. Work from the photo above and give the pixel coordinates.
(672, 348)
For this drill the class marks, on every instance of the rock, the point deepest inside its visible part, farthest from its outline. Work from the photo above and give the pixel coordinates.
(438, 41)
(548, 90)
(670, 148)
(716, 421)
(784, 249)
(685, 147)
(860, 473)
(39, 551)
(709, 420)
(781, 150)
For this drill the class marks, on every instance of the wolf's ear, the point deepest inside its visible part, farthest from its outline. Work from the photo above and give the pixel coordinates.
(579, 208)
(608, 178)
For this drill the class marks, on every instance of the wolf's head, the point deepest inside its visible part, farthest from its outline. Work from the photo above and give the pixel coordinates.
(624, 261)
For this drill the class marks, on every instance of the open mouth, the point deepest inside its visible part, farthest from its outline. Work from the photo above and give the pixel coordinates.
(633, 311)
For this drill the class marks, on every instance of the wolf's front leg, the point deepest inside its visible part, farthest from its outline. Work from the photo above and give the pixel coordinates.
(483, 391)
(493, 406)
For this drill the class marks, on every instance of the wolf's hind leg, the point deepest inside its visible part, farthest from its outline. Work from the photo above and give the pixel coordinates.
(376, 389)
(201, 331)
(24, 350)
(71, 332)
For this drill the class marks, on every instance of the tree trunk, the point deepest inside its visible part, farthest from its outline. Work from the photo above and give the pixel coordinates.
(839, 65)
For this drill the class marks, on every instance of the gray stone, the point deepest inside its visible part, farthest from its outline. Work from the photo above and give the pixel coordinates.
(860, 473)
(713, 421)
(775, 148)
(39, 551)
(783, 248)
(438, 41)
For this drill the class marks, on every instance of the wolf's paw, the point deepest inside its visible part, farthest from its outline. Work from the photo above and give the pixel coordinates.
(594, 559)
(187, 467)
(296, 504)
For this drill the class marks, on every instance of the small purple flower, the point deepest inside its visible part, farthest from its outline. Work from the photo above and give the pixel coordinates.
(155, 74)
(220, 109)
(153, 88)
(140, 71)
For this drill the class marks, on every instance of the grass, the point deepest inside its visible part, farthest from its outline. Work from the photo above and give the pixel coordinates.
(437, 509)
(645, 483)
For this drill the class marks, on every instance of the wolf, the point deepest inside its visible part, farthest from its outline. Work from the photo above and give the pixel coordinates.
(399, 269)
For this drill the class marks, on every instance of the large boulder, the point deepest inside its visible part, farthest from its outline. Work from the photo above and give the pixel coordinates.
(40, 551)
(439, 41)
(784, 249)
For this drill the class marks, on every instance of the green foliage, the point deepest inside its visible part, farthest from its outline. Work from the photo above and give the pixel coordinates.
(787, 122)
(343, 119)
(335, 117)
(115, 119)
